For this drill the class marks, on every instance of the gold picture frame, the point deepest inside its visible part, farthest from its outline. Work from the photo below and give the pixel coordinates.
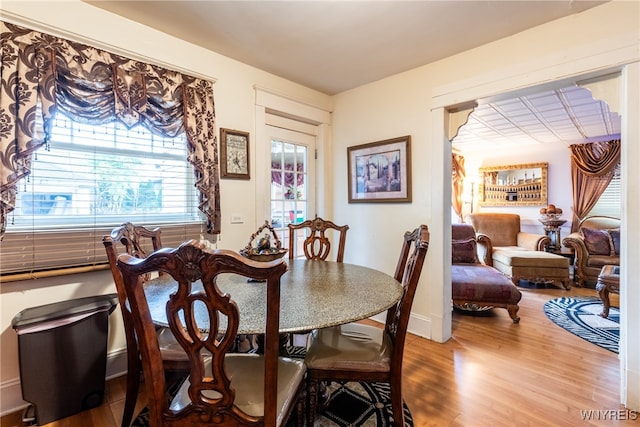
(380, 172)
(234, 154)
(514, 185)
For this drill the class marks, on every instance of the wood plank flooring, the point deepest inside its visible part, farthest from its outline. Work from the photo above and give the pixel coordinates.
(491, 373)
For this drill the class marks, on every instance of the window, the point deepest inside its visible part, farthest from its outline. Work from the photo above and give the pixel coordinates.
(91, 179)
(609, 202)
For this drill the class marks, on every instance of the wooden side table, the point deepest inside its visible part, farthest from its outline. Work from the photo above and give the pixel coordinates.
(608, 281)
(571, 255)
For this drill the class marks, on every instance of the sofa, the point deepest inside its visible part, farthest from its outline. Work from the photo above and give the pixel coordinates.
(595, 244)
(476, 286)
(517, 254)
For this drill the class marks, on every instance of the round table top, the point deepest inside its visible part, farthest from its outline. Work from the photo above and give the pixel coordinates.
(313, 294)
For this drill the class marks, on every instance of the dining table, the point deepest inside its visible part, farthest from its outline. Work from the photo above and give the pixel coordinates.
(313, 294)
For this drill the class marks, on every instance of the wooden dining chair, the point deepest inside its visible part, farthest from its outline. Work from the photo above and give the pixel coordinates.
(316, 245)
(229, 389)
(358, 352)
(138, 241)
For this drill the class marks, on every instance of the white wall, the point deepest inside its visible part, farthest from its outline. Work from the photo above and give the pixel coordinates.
(234, 94)
(559, 190)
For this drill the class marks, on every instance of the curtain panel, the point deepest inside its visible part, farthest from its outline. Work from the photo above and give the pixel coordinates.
(458, 173)
(592, 169)
(42, 74)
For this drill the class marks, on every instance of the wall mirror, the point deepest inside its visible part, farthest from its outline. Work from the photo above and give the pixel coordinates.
(514, 185)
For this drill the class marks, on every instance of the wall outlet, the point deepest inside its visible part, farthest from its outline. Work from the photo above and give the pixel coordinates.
(237, 219)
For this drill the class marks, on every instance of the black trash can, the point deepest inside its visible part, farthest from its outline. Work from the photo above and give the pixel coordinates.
(63, 356)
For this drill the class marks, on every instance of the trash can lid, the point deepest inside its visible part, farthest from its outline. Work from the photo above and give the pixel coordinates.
(57, 310)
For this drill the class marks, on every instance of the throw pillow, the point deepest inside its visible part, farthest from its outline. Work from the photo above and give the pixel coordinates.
(596, 241)
(464, 251)
(614, 241)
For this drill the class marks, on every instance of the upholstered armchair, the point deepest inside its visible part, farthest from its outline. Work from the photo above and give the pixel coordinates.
(519, 255)
(596, 244)
(502, 231)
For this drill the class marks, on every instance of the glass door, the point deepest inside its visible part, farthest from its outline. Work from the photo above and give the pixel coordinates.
(292, 180)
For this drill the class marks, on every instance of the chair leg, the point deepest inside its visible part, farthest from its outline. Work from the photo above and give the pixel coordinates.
(312, 401)
(397, 405)
(133, 385)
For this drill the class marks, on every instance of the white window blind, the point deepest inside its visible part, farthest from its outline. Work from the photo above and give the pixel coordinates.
(90, 180)
(609, 203)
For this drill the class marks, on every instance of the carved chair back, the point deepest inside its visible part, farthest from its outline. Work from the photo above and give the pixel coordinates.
(408, 271)
(209, 396)
(137, 241)
(317, 245)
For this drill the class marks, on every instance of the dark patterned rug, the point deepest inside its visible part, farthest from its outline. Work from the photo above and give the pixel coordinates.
(352, 404)
(580, 316)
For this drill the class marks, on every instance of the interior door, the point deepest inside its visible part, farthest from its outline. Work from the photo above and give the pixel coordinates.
(292, 180)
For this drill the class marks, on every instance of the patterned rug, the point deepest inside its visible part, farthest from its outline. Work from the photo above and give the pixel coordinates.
(352, 404)
(580, 316)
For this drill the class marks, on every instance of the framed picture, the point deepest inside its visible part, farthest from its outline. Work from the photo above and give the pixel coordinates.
(380, 171)
(234, 154)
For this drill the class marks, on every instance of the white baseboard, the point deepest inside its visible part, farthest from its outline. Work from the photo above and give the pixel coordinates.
(11, 392)
(418, 325)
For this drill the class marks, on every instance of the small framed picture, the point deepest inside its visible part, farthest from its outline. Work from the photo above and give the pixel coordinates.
(380, 171)
(234, 154)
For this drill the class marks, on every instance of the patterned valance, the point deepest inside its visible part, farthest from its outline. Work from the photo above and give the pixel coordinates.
(42, 74)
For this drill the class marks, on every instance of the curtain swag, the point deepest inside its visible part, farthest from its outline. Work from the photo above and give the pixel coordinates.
(596, 158)
(592, 169)
(42, 74)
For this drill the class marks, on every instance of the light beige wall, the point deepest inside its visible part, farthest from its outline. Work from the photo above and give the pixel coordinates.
(402, 104)
(591, 43)
(399, 105)
(235, 105)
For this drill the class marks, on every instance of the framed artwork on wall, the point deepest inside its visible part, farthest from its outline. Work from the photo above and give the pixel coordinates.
(234, 154)
(380, 172)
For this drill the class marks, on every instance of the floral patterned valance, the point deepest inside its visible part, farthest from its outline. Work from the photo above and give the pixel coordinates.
(42, 74)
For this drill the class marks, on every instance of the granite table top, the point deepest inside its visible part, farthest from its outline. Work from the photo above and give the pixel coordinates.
(313, 294)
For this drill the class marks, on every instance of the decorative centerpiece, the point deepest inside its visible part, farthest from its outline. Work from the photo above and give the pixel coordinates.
(550, 219)
(263, 249)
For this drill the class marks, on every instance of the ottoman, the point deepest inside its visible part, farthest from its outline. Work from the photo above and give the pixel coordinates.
(479, 287)
(535, 266)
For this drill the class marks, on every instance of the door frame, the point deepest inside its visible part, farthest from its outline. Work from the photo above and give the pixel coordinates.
(316, 121)
(590, 63)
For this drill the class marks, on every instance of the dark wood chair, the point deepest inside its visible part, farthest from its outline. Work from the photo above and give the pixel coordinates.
(358, 352)
(138, 241)
(317, 245)
(229, 389)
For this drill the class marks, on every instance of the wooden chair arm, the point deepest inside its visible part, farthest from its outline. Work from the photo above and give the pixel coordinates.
(484, 242)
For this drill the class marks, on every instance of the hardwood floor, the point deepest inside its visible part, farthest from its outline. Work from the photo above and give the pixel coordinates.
(491, 373)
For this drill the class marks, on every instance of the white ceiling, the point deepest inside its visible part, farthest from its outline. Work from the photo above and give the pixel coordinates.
(568, 115)
(334, 46)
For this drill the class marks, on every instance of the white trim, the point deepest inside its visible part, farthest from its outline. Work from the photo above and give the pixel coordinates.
(605, 57)
(268, 105)
(286, 106)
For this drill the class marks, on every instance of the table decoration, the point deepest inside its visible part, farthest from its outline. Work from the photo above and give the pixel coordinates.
(263, 249)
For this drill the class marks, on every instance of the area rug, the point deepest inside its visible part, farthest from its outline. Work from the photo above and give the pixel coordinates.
(580, 316)
(352, 404)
